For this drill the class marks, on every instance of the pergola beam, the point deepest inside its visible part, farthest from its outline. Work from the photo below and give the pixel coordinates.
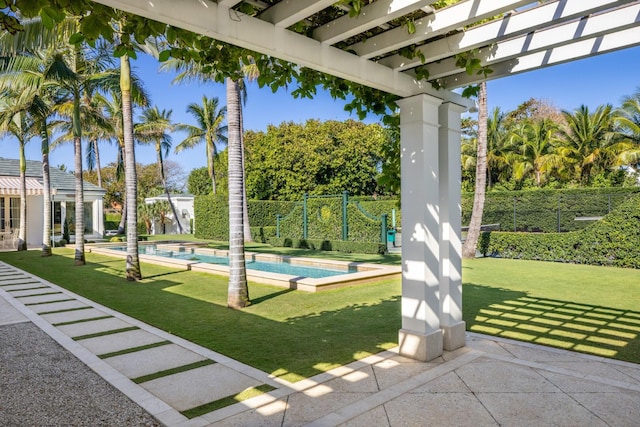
(509, 26)
(229, 26)
(373, 15)
(570, 52)
(441, 22)
(288, 12)
(589, 27)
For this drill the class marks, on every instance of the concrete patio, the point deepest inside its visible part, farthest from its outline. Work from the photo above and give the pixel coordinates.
(490, 381)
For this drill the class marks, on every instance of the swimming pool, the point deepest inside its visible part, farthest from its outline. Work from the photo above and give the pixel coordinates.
(306, 274)
(281, 266)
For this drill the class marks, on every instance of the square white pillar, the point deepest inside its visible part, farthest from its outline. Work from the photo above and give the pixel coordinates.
(451, 323)
(420, 337)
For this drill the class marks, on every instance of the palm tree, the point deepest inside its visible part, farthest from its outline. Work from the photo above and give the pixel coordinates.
(535, 142)
(588, 140)
(188, 71)
(17, 119)
(627, 121)
(32, 76)
(209, 129)
(470, 244)
(238, 292)
(153, 129)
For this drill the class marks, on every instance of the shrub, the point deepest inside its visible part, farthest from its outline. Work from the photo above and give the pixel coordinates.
(326, 245)
(613, 241)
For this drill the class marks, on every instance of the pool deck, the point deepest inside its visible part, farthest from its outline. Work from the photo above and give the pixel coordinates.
(489, 382)
(366, 273)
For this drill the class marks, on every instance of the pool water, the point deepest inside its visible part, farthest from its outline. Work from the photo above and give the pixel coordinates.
(271, 267)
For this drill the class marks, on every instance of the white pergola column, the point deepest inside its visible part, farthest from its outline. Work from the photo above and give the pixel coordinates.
(451, 323)
(420, 337)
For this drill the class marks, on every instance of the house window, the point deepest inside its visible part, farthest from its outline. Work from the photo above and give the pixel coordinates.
(88, 217)
(57, 218)
(2, 216)
(14, 213)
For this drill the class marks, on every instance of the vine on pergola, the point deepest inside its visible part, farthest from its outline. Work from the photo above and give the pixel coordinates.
(227, 60)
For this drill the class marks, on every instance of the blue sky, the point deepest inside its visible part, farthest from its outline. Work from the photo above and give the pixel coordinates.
(594, 81)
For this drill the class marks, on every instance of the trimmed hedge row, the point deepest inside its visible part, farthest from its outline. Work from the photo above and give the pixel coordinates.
(612, 241)
(540, 210)
(326, 245)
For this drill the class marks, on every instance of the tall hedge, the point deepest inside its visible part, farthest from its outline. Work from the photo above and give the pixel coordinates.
(539, 210)
(612, 241)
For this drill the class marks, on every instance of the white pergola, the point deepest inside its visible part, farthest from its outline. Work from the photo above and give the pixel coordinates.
(366, 49)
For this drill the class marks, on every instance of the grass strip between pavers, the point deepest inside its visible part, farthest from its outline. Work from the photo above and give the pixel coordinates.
(64, 310)
(227, 401)
(71, 322)
(49, 302)
(133, 349)
(19, 283)
(28, 289)
(172, 371)
(101, 334)
(40, 295)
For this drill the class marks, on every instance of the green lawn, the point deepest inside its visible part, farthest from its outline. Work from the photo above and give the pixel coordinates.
(295, 335)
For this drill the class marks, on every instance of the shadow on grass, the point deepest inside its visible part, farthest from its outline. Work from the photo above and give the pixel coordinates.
(289, 334)
(597, 330)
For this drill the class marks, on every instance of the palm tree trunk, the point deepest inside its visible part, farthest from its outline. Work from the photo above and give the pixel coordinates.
(22, 232)
(133, 260)
(245, 207)
(470, 244)
(210, 164)
(238, 292)
(98, 170)
(46, 183)
(77, 152)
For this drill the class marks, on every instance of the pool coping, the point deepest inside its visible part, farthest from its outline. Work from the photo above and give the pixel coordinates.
(367, 272)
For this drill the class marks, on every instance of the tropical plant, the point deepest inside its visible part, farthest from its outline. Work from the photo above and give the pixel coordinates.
(588, 142)
(154, 128)
(16, 118)
(209, 129)
(28, 74)
(534, 144)
(627, 121)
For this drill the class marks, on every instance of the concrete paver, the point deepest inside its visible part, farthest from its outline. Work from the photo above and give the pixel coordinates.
(491, 381)
(73, 315)
(119, 341)
(57, 306)
(93, 327)
(155, 359)
(39, 299)
(196, 387)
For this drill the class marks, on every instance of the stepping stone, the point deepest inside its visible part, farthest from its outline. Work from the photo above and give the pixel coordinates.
(186, 390)
(44, 298)
(17, 281)
(73, 315)
(21, 286)
(93, 327)
(119, 341)
(57, 306)
(152, 360)
(31, 292)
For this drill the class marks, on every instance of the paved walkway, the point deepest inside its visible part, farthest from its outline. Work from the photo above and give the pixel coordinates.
(487, 383)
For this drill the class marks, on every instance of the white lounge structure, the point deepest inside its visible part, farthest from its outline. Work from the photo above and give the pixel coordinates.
(184, 208)
(526, 36)
(62, 202)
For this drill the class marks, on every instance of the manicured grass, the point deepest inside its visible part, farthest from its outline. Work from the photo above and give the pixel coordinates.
(287, 333)
(296, 335)
(583, 308)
